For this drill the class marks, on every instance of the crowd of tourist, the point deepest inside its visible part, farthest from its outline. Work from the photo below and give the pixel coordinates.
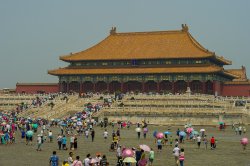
(67, 132)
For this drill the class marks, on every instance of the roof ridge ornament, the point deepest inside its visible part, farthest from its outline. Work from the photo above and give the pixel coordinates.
(184, 27)
(113, 31)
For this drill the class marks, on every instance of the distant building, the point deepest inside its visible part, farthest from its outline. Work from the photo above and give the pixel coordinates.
(34, 88)
(7, 91)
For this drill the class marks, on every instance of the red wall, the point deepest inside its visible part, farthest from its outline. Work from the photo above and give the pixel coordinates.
(236, 90)
(33, 89)
(217, 87)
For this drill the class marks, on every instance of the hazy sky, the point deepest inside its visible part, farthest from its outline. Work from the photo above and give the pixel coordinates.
(34, 33)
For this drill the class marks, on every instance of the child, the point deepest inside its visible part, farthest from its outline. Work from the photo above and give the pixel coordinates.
(181, 157)
(205, 141)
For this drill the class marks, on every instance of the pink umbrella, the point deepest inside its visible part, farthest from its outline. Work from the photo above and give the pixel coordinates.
(127, 153)
(124, 124)
(189, 130)
(244, 141)
(159, 135)
(146, 148)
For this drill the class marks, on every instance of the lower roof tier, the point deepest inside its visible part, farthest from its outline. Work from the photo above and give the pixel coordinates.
(170, 70)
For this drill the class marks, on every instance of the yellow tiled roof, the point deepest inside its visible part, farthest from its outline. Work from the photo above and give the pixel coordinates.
(69, 71)
(145, 45)
(241, 73)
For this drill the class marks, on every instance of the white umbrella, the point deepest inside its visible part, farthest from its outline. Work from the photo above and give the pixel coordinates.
(145, 148)
(201, 130)
(79, 123)
(138, 129)
(74, 117)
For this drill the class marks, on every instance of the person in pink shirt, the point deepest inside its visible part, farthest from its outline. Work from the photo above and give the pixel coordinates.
(13, 127)
(77, 162)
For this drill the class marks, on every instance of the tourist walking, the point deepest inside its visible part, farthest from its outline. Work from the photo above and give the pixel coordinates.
(72, 142)
(39, 143)
(87, 133)
(159, 145)
(86, 161)
(236, 129)
(198, 141)
(59, 141)
(143, 161)
(151, 157)
(104, 161)
(70, 158)
(92, 135)
(212, 143)
(105, 135)
(64, 142)
(50, 136)
(240, 130)
(138, 154)
(119, 151)
(205, 141)
(75, 142)
(138, 134)
(181, 157)
(77, 162)
(54, 159)
(176, 153)
(65, 163)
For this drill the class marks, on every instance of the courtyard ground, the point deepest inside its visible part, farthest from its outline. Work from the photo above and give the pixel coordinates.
(228, 152)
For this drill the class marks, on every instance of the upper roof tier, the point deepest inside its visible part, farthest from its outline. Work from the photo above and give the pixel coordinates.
(146, 45)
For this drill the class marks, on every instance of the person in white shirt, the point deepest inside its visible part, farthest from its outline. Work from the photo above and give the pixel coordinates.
(70, 159)
(87, 133)
(119, 151)
(105, 134)
(72, 142)
(44, 128)
(50, 136)
(87, 160)
(198, 141)
(176, 153)
(39, 143)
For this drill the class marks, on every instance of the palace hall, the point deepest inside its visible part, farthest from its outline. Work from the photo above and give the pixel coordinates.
(157, 61)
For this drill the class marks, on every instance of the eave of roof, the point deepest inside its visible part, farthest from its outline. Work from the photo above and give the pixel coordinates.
(35, 84)
(67, 71)
(237, 82)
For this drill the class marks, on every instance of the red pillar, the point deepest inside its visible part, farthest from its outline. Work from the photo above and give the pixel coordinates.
(94, 87)
(188, 84)
(173, 90)
(60, 87)
(158, 87)
(143, 86)
(216, 87)
(67, 88)
(80, 87)
(204, 87)
(122, 90)
(108, 86)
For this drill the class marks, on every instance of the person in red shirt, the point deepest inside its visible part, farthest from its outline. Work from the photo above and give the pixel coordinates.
(212, 142)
